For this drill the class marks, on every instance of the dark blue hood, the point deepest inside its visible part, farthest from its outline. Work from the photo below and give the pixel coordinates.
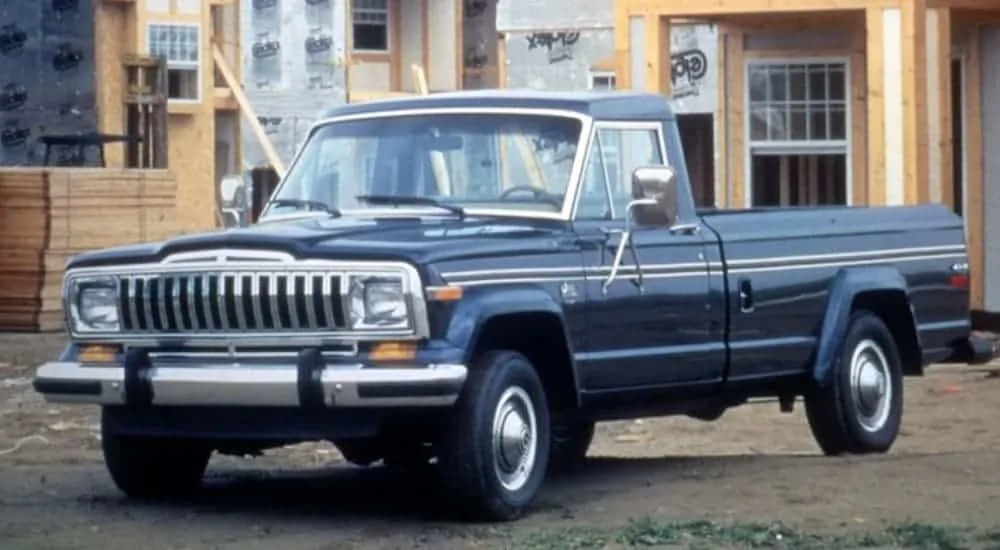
(421, 241)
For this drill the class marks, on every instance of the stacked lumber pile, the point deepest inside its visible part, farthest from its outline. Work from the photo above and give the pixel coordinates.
(49, 215)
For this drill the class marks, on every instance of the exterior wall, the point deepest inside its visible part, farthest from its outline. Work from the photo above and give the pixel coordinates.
(990, 81)
(287, 85)
(804, 39)
(47, 77)
(541, 53)
(444, 54)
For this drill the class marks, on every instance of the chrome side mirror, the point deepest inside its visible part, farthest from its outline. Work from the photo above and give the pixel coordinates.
(654, 202)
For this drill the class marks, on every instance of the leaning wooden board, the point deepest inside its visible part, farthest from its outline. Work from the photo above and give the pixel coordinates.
(49, 215)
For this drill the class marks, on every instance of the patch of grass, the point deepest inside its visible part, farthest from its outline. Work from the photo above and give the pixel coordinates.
(705, 535)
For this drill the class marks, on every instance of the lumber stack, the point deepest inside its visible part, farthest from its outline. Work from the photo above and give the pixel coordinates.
(49, 215)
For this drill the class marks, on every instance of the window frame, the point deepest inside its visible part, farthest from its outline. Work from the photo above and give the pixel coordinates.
(388, 28)
(593, 142)
(803, 146)
(197, 66)
(610, 75)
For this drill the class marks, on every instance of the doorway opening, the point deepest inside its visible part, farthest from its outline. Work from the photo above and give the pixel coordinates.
(958, 136)
(698, 139)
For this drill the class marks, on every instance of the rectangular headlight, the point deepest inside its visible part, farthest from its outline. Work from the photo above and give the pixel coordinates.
(93, 304)
(378, 302)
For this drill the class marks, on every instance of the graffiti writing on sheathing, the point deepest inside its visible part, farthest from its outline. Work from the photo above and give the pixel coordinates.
(688, 70)
(558, 44)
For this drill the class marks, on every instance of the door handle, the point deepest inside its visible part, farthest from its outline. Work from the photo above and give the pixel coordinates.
(746, 296)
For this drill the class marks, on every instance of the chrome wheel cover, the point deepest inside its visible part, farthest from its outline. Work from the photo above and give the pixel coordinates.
(514, 438)
(871, 385)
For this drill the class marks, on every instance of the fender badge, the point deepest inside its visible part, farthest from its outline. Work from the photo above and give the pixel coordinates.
(568, 292)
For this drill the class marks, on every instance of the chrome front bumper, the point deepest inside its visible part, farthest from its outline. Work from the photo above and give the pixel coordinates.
(279, 385)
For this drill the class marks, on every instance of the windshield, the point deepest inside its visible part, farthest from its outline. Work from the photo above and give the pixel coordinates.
(486, 161)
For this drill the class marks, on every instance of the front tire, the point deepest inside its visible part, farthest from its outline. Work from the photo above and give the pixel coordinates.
(154, 467)
(861, 409)
(496, 449)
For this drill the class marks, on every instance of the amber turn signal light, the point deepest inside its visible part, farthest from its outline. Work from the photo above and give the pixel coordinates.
(98, 353)
(393, 351)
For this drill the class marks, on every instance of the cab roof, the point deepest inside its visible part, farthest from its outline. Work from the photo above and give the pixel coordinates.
(600, 105)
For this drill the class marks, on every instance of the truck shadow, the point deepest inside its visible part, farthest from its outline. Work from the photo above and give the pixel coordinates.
(377, 493)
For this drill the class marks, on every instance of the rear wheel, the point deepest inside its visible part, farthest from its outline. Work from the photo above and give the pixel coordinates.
(861, 409)
(154, 467)
(496, 448)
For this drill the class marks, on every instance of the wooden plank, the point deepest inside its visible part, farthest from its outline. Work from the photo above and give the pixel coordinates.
(946, 139)
(975, 216)
(915, 151)
(705, 8)
(248, 112)
(875, 64)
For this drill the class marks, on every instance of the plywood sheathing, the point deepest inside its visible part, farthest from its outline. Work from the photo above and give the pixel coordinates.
(49, 215)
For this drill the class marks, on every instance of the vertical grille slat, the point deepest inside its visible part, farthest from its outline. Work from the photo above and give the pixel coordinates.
(231, 301)
(192, 302)
(238, 290)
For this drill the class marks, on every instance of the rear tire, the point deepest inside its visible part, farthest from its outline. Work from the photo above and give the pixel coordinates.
(154, 467)
(496, 448)
(861, 409)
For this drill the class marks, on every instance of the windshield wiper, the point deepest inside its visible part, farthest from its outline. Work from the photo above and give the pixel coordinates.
(311, 204)
(397, 200)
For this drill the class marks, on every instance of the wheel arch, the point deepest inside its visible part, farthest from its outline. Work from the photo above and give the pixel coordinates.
(522, 318)
(880, 290)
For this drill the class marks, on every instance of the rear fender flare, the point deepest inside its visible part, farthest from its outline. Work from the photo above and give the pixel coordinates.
(847, 285)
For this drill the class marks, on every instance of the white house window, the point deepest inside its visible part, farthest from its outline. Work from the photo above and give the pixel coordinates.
(179, 44)
(602, 80)
(797, 128)
(370, 19)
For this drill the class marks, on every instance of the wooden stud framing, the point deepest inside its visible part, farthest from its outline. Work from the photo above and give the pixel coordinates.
(946, 138)
(875, 64)
(975, 216)
(857, 95)
(501, 60)
(915, 152)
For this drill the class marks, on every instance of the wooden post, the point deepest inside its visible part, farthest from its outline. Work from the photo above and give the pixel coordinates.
(875, 56)
(915, 151)
(657, 44)
(247, 110)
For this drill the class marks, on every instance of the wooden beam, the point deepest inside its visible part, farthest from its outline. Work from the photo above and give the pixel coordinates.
(975, 215)
(915, 151)
(248, 112)
(858, 122)
(875, 63)
(657, 45)
(946, 143)
(708, 8)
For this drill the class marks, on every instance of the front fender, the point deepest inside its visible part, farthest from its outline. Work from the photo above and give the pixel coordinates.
(479, 304)
(846, 286)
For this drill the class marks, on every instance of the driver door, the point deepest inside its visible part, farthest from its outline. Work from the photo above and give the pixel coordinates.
(649, 326)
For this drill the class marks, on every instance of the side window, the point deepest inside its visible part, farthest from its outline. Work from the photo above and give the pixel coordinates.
(607, 182)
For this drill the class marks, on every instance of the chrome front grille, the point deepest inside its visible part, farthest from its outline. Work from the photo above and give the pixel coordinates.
(259, 301)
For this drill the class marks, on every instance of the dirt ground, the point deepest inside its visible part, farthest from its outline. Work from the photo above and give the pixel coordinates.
(753, 465)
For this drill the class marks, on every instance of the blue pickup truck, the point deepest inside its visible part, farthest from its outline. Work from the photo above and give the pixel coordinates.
(471, 280)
